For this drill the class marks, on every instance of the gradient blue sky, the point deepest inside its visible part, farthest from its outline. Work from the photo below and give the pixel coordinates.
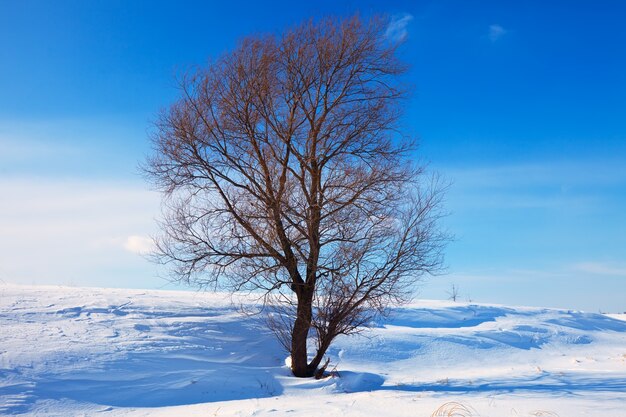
(521, 105)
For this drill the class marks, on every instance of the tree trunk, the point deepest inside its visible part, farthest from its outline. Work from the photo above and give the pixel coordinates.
(299, 358)
(319, 355)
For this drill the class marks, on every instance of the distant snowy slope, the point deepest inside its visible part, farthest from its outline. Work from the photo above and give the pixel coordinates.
(617, 316)
(89, 351)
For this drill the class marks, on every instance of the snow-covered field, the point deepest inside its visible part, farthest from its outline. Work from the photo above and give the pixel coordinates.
(111, 352)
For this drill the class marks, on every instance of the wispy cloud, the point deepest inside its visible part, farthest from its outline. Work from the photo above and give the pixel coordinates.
(496, 32)
(600, 268)
(70, 147)
(573, 185)
(77, 231)
(26, 149)
(601, 172)
(397, 29)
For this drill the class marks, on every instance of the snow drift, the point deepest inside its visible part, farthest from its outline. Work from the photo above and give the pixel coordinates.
(69, 351)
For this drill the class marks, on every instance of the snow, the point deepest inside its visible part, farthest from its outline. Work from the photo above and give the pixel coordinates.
(618, 316)
(110, 352)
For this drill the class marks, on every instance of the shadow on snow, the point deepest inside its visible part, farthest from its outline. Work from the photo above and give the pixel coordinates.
(173, 359)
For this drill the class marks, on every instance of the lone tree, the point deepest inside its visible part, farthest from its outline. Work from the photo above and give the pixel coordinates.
(283, 171)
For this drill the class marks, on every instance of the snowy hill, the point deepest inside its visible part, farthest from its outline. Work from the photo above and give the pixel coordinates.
(111, 352)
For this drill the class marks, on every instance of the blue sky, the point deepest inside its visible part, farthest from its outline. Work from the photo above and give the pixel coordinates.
(521, 105)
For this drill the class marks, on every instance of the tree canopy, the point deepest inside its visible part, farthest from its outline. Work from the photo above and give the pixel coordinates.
(284, 170)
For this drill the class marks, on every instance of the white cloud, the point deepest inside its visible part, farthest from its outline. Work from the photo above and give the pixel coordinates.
(496, 32)
(140, 245)
(397, 29)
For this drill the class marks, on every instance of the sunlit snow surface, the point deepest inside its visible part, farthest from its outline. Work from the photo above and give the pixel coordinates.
(111, 352)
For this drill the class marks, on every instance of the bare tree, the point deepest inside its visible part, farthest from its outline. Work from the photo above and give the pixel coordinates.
(453, 294)
(284, 172)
